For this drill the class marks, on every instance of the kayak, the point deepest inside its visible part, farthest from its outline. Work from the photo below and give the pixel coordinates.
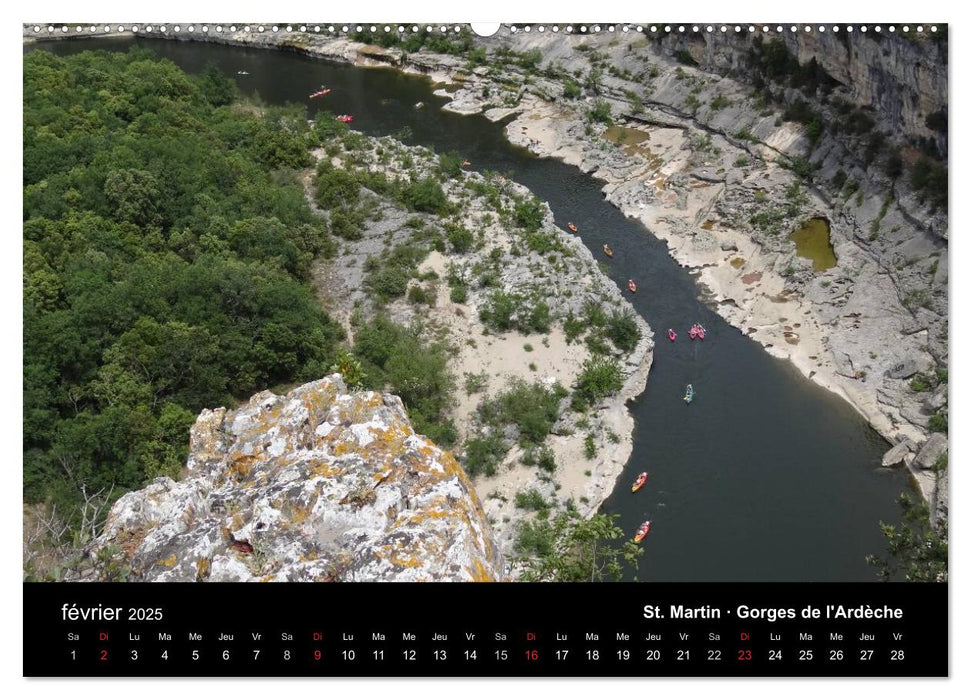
(572, 226)
(345, 118)
(697, 332)
(642, 531)
(466, 163)
(672, 336)
(631, 286)
(242, 72)
(639, 482)
(689, 394)
(608, 251)
(320, 93)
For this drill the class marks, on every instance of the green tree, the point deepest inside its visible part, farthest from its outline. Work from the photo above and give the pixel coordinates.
(133, 195)
(916, 549)
(426, 195)
(599, 377)
(529, 214)
(570, 548)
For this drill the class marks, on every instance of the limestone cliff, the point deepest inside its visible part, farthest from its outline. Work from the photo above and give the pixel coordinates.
(902, 77)
(321, 484)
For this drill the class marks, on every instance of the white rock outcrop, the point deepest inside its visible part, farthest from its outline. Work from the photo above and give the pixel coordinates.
(322, 484)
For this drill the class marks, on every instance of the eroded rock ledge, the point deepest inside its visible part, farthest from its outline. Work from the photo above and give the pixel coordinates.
(321, 484)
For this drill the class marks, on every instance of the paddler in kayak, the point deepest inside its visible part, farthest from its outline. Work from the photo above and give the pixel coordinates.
(689, 394)
(672, 336)
(608, 251)
(639, 482)
(642, 531)
(631, 286)
(572, 226)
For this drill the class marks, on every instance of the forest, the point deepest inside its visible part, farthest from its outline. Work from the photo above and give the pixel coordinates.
(167, 246)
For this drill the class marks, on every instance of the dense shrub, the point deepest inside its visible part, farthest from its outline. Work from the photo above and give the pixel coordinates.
(622, 329)
(483, 454)
(396, 358)
(529, 214)
(600, 377)
(460, 238)
(425, 195)
(532, 408)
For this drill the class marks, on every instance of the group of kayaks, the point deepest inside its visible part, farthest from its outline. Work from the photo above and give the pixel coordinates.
(646, 525)
(697, 332)
(323, 92)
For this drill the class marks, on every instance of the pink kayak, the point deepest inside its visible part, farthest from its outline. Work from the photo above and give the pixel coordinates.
(672, 336)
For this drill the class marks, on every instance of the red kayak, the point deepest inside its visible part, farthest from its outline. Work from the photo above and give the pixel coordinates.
(345, 118)
(642, 531)
(639, 482)
(572, 226)
(672, 336)
(320, 93)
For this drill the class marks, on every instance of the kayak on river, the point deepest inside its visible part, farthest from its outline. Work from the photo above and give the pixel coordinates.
(642, 531)
(466, 163)
(320, 93)
(689, 394)
(672, 336)
(608, 251)
(572, 226)
(631, 286)
(345, 118)
(640, 481)
(697, 332)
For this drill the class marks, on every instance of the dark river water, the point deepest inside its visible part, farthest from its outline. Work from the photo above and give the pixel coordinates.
(764, 477)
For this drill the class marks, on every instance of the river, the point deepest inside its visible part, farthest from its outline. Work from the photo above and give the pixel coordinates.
(764, 477)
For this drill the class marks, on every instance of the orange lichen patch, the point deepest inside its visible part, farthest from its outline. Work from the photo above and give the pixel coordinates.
(708, 224)
(779, 298)
(169, 561)
(737, 262)
(479, 573)
(360, 409)
(424, 515)
(660, 183)
(238, 521)
(402, 559)
(297, 513)
(751, 277)
(326, 469)
(309, 556)
(390, 440)
(203, 568)
(241, 466)
(129, 544)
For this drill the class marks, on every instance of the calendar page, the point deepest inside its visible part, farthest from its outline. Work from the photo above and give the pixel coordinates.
(441, 349)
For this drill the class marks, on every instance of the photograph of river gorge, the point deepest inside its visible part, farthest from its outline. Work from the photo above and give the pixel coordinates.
(609, 302)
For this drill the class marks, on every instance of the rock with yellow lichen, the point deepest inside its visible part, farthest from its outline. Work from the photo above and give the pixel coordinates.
(322, 484)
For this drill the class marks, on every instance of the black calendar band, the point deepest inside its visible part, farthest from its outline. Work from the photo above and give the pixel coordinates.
(433, 629)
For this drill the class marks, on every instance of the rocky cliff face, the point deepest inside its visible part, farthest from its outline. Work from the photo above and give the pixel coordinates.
(321, 484)
(904, 81)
